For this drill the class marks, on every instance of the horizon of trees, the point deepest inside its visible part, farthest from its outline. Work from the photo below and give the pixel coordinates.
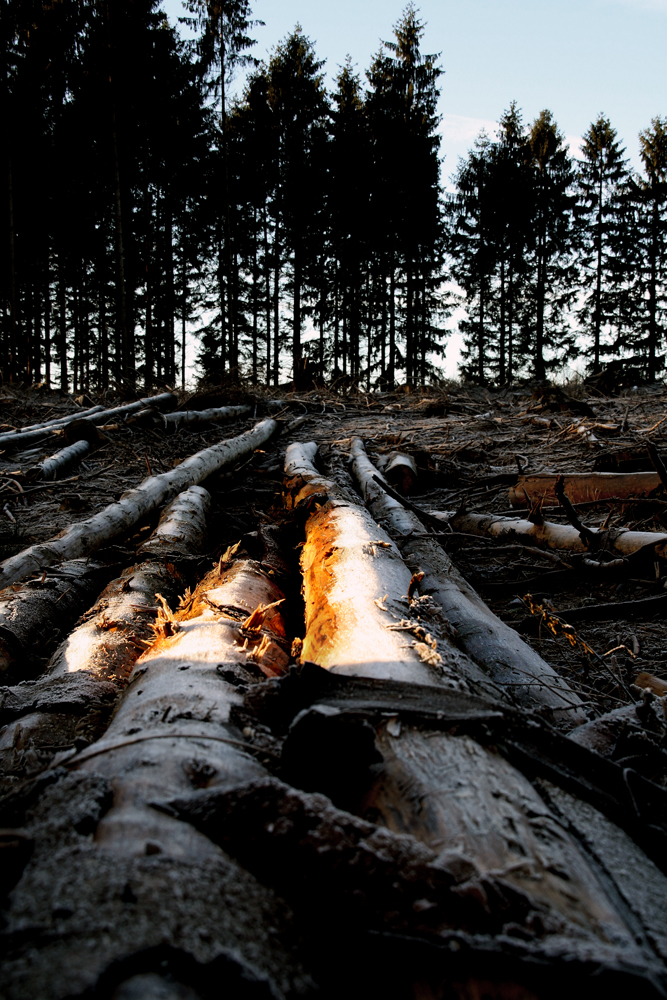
(298, 229)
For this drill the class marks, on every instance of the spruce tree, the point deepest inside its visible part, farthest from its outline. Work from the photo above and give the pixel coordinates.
(551, 278)
(602, 176)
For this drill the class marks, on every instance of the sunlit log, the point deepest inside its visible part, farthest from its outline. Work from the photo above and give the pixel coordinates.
(493, 645)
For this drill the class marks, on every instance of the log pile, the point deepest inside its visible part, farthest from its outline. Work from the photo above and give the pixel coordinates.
(308, 711)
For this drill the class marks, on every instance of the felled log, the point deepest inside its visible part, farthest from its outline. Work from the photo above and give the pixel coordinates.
(554, 536)
(146, 885)
(86, 536)
(34, 615)
(109, 641)
(195, 418)
(59, 464)
(495, 647)
(355, 584)
(583, 486)
(103, 647)
(14, 440)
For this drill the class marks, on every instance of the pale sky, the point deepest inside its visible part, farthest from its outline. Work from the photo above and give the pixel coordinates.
(576, 57)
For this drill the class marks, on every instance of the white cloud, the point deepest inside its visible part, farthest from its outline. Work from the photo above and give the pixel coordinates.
(461, 129)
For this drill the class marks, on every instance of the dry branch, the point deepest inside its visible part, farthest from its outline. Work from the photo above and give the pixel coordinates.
(88, 535)
(493, 645)
(583, 486)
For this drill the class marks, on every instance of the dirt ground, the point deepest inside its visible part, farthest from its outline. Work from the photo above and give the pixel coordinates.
(467, 444)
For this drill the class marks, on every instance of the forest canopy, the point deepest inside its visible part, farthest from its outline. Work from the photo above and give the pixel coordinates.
(299, 231)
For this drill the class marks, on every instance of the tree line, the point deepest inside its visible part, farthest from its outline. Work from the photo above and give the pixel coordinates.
(301, 232)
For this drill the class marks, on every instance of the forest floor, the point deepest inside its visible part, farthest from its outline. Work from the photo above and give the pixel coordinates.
(468, 445)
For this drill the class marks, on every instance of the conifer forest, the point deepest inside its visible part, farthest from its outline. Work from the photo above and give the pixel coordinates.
(323, 676)
(300, 232)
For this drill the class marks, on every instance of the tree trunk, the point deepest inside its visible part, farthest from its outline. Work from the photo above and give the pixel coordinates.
(494, 646)
(104, 647)
(581, 487)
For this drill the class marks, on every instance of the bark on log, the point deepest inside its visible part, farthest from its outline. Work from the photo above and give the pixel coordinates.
(144, 880)
(86, 536)
(60, 463)
(583, 486)
(355, 586)
(549, 535)
(401, 472)
(194, 418)
(98, 415)
(493, 645)
(34, 616)
(105, 645)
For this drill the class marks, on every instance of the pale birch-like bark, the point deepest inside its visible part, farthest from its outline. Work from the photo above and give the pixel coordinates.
(14, 440)
(493, 645)
(141, 878)
(553, 536)
(57, 465)
(84, 537)
(195, 418)
(105, 646)
(354, 584)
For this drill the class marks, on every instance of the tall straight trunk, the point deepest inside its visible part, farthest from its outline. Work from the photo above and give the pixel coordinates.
(124, 360)
(103, 354)
(503, 334)
(539, 324)
(369, 332)
(62, 323)
(76, 316)
(13, 326)
(276, 305)
(255, 305)
(336, 356)
(481, 334)
(510, 324)
(231, 314)
(653, 292)
(222, 306)
(184, 310)
(148, 266)
(409, 331)
(296, 304)
(267, 295)
(47, 319)
(424, 332)
(392, 326)
(170, 318)
(597, 315)
(383, 329)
